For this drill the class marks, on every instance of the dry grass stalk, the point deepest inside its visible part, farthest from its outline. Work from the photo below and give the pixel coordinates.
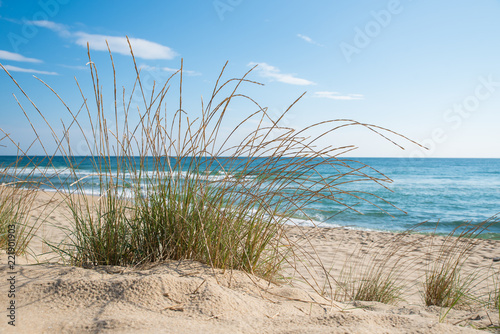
(174, 187)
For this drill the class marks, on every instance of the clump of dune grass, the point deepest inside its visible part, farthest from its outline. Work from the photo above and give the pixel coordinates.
(17, 193)
(489, 296)
(496, 297)
(446, 284)
(376, 275)
(371, 283)
(170, 186)
(492, 301)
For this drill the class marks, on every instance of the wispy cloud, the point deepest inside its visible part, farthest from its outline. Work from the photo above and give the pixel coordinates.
(17, 57)
(27, 70)
(6, 55)
(142, 48)
(61, 29)
(118, 44)
(75, 67)
(338, 96)
(188, 72)
(170, 70)
(308, 39)
(267, 71)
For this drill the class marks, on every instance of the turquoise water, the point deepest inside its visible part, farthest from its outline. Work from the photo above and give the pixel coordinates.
(448, 191)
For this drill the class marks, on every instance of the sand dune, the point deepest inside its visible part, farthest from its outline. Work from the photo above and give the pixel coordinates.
(189, 297)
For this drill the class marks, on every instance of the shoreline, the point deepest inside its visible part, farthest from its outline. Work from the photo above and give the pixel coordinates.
(316, 224)
(428, 194)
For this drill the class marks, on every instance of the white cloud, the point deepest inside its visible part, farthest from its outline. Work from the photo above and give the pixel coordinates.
(149, 68)
(118, 44)
(17, 57)
(308, 39)
(141, 47)
(338, 96)
(267, 71)
(27, 70)
(61, 29)
(75, 67)
(168, 69)
(188, 72)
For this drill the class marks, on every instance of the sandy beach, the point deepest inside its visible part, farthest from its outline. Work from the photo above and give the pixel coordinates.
(190, 297)
(254, 167)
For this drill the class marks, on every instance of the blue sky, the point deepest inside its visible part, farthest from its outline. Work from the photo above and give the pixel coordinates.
(429, 70)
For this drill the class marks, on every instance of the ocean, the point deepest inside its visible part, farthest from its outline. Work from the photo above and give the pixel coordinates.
(438, 193)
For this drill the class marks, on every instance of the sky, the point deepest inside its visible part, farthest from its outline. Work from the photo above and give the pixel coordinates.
(429, 70)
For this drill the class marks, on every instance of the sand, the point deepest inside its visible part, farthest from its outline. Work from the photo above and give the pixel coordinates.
(190, 297)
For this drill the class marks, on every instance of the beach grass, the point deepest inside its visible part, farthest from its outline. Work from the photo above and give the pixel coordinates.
(171, 186)
(17, 192)
(496, 297)
(374, 282)
(375, 272)
(492, 301)
(446, 284)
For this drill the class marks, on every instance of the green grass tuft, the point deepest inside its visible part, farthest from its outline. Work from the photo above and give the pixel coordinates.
(446, 284)
(171, 185)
